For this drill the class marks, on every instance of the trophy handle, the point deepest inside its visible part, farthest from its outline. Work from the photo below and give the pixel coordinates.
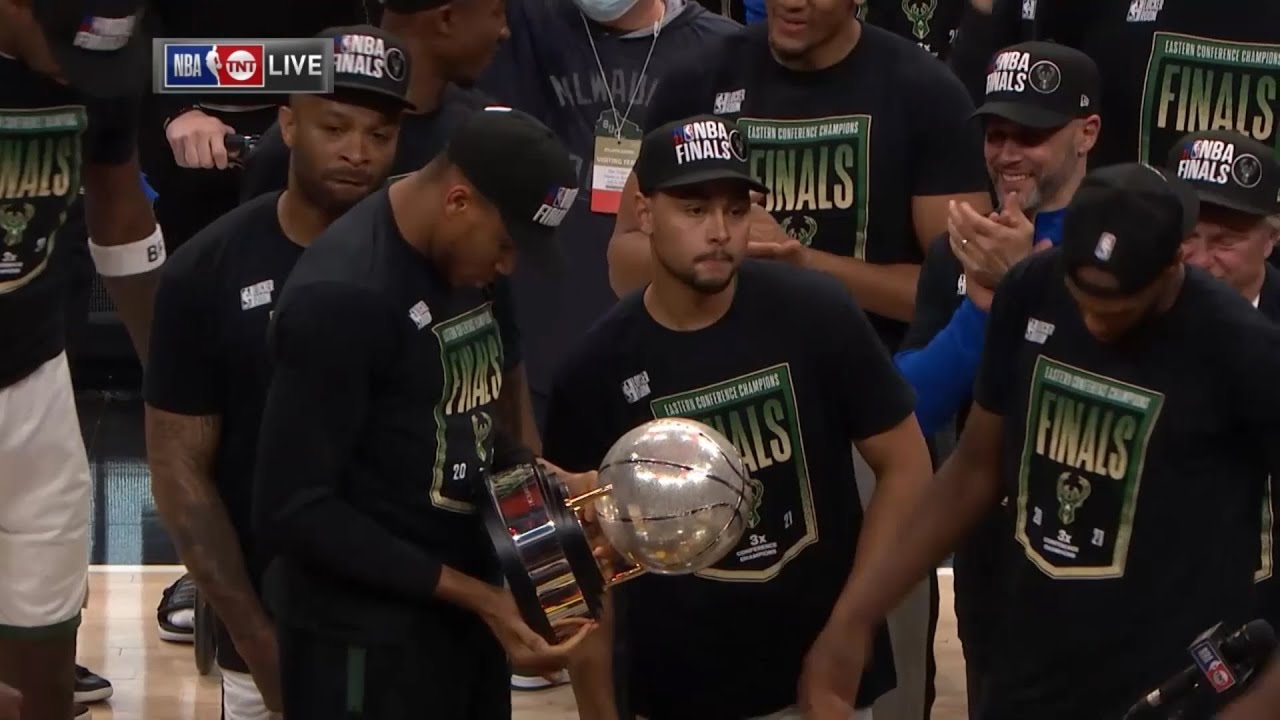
(577, 503)
(628, 574)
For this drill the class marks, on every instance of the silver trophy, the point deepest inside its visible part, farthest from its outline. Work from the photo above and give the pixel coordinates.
(673, 499)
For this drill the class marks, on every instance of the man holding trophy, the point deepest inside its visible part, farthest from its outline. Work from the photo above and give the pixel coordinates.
(784, 365)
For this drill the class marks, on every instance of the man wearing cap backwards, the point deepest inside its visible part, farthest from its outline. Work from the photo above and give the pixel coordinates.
(449, 45)
(379, 425)
(1238, 181)
(1134, 475)
(72, 72)
(208, 371)
(1040, 122)
(689, 345)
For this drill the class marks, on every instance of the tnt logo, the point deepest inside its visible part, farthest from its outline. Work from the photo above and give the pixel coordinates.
(235, 66)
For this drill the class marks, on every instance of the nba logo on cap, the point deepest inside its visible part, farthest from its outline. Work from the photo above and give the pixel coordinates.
(230, 66)
(555, 205)
(1106, 246)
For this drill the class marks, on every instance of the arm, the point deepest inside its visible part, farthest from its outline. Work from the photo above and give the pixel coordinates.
(888, 290)
(943, 371)
(1260, 702)
(514, 409)
(628, 253)
(124, 240)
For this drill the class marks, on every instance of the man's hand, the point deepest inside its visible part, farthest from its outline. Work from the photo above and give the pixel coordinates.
(833, 669)
(198, 140)
(10, 703)
(261, 652)
(988, 246)
(529, 652)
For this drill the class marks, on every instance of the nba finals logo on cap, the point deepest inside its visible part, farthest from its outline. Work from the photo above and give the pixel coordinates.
(1219, 162)
(103, 33)
(555, 206)
(1015, 71)
(368, 56)
(707, 140)
(275, 66)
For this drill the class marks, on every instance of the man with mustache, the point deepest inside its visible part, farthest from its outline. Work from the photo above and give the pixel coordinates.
(207, 374)
(691, 344)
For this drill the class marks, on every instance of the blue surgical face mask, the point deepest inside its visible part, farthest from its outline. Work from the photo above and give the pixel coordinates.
(604, 11)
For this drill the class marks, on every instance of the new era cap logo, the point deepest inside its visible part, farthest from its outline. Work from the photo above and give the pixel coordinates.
(1106, 245)
(1219, 162)
(555, 205)
(707, 140)
(1014, 71)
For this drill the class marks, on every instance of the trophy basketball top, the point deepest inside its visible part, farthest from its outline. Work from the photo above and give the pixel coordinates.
(678, 496)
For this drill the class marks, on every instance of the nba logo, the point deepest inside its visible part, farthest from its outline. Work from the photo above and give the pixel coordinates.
(1106, 246)
(230, 66)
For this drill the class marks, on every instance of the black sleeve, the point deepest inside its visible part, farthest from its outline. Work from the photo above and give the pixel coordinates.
(686, 90)
(977, 40)
(512, 76)
(874, 396)
(267, 167)
(112, 135)
(504, 313)
(183, 373)
(1251, 367)
(937, 294)
(1006, 328)
(327, 342)
(576, 435)
(946, 145)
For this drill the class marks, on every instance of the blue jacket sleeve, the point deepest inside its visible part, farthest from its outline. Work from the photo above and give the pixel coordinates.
(943, 372)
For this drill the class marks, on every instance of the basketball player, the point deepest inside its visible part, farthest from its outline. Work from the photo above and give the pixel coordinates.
(1126, 403)
(71, 72)
(207, 376)
(1238, 181)
(379, 423)
(792, 399)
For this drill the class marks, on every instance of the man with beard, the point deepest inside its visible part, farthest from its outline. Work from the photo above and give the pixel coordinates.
(207, 375)
(449, 43)
(1238, 181)
(1036, 147)
(716, 338)
(1126, 403)
(72, 73)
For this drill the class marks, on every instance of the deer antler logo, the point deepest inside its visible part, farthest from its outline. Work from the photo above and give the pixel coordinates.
(14, 221)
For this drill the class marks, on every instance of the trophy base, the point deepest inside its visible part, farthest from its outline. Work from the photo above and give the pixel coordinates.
(541, 547)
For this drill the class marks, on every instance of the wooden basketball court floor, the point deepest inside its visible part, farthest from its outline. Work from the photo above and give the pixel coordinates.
(156, 680)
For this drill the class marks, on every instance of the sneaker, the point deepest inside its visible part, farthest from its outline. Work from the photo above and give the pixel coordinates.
(82, 712)
(521, 682)
(176, 614)
(90, 687)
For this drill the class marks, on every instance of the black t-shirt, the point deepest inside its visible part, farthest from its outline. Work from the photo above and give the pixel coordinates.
(379, 422)
(939, 291)
(48, 133)
(1268, 582)
(931, 24)
(1136, 473)
(844, 149)
(728, 642)
(208, 341)
(422, 137)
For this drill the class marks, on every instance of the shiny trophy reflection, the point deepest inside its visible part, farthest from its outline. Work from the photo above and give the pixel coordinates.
(673, 499)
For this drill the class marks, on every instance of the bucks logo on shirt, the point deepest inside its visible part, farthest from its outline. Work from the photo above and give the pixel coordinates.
(471, 355)
(1196, 84)
(1081, 470)
(816, 172)
(39, 180)
(757, 413)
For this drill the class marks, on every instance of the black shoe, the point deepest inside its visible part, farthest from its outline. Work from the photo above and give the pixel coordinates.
(175, 615)
(82, 712)
(91, 688)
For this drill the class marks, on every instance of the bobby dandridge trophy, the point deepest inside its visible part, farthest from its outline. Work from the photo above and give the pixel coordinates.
(673, 499)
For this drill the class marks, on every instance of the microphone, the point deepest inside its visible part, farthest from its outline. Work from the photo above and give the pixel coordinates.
(1215, 656)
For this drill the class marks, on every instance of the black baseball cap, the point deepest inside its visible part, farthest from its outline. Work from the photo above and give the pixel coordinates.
(370, 61)
(1229, 170)
(1041, 85)
(413, 6)
(1129, 221)
(98, 44)
(687, 152)
(521, 167)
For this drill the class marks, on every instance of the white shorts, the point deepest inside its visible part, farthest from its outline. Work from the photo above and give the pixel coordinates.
(44, 505)
(241, 699)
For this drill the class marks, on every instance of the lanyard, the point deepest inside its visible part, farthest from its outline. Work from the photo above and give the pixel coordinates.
(635, 92)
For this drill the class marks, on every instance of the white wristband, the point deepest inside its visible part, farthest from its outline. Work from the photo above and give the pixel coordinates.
(133, 258)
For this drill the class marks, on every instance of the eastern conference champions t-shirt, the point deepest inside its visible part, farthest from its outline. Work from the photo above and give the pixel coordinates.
(1135, 485)
(48, 133)
(843, 150)
(791, 397)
